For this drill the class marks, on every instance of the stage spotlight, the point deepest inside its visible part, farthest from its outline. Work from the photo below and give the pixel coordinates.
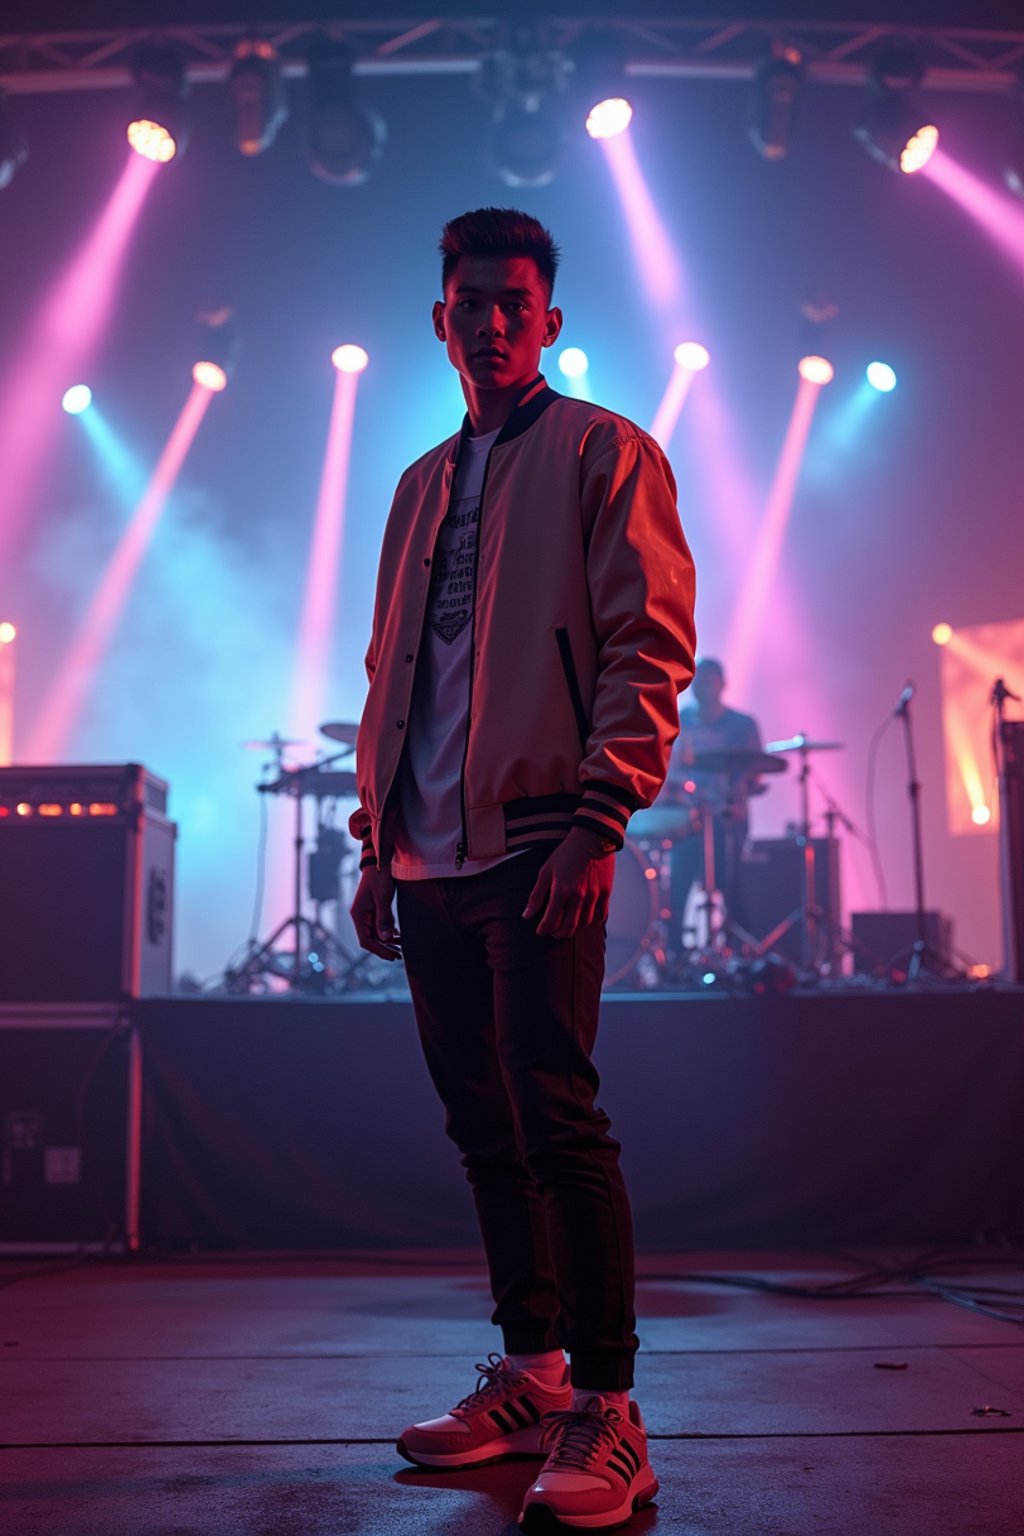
(77, 399)
(981, 815)
(610, 117)
(257, 90)
(881, 377)
(573, 362)
(158, 129)
(218, 340)
(816, 370)
(692, 356)
(344, 140)
(350, 358)
(600, 87)
(13, 148)
(893, 130)
(211, 376)
(8, 632)
(942, 634)
(776, 90)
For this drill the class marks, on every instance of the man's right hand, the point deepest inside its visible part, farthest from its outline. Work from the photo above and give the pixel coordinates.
(372, 912)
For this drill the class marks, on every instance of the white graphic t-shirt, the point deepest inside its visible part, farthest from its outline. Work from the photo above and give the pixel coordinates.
(429, 825)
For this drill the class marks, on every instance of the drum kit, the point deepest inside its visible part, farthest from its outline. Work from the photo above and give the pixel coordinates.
(302, 952)
(653, 940)
(651, 943)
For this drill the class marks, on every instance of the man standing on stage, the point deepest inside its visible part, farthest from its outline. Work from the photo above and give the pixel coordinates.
(533, 627)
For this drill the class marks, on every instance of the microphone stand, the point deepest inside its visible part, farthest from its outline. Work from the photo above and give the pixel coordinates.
(923, 958)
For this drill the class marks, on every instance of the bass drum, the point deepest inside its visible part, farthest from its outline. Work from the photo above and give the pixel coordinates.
(632, 913)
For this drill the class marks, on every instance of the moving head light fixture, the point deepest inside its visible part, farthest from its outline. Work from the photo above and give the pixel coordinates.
(257, 90)
(217, 342)
(344, 140)
(774, 103)
(158, 128)
(599, 86)
(13, 148)
(1013, 167)
(894, 130)
(527, 134)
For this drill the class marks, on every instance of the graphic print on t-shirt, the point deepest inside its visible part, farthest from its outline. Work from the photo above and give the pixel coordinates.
(450, 600)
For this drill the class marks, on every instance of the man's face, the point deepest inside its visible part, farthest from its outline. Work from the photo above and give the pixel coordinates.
(495, 319)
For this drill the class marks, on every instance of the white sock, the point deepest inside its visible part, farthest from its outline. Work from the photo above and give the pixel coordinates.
(547, 1366)
(582, 1395)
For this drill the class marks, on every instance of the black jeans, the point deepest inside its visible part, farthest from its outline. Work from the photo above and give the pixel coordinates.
(508, 1021)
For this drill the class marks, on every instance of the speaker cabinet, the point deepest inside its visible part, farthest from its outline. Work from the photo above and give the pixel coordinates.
(86, 884)
(65, 1145)
(891, 936)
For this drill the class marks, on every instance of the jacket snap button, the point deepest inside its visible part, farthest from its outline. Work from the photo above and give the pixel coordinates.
(426, 560)
(400, 723)
(409, 657)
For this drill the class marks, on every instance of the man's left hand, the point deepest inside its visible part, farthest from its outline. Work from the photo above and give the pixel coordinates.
(573, 886)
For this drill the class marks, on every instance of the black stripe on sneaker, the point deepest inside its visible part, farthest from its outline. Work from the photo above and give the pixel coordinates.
(514, 1411)
(631, 1453)
(503, 1424)
(619, 1464)
(531, 1408)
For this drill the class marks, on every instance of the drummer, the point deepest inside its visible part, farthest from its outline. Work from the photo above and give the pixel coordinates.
(708, 724)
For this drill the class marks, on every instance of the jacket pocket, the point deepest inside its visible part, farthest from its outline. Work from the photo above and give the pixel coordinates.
(573, 684)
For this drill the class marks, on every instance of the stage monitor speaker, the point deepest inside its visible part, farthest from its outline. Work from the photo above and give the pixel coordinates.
(891, 936)
(86, 884)
(64, 1142)
(770, 882)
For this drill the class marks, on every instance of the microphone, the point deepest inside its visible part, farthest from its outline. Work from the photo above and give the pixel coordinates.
(903, 702)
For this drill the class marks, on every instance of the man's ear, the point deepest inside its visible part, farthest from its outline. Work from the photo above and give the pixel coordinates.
(552, 327)
(438, 317)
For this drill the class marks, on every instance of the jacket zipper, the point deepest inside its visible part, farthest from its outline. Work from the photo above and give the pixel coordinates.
(461, 848)
(573, 684)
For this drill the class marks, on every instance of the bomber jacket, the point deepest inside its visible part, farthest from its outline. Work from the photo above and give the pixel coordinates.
(583, 632)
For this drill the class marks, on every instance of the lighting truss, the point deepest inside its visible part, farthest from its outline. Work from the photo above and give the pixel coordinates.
(955, 58)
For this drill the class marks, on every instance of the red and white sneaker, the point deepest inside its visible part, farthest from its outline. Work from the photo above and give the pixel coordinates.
(501, 1420)
(597, 1474)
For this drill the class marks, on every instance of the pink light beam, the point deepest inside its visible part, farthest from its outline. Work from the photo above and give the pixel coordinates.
(313, 645)
(59, 342)
(62, 705)
(670, 407)
(747, 625)
(656, 259)
(995, 212)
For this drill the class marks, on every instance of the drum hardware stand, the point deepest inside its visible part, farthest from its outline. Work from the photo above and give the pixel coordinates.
(814, 922)
(924, 960)
(311, 943)
(711, 954)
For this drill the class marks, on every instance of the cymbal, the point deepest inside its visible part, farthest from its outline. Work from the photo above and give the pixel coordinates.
(737, 760)
(274, 744)
(802, 743)
(341, 730)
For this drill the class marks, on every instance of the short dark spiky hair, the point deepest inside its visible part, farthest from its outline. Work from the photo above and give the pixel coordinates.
(499, 232)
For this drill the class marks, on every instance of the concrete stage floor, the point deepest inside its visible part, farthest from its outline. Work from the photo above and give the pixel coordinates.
(222, 1396)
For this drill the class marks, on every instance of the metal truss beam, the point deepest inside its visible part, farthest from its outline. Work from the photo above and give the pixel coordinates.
(836, 53)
